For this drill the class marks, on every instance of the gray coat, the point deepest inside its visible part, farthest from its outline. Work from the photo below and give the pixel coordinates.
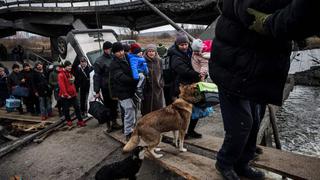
(153, 90)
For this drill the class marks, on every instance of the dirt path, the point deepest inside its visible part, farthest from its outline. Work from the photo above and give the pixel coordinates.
(64, 155)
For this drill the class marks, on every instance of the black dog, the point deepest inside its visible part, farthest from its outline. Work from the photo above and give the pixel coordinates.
(126, 168)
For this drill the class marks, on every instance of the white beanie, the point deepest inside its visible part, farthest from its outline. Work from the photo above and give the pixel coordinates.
(197, 45)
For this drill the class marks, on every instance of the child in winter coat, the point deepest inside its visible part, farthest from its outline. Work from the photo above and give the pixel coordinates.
(68, 94)
(139, 67)
(200, 57)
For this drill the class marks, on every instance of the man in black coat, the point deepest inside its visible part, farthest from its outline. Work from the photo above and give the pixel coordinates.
(250, 70)
(123, 86)
(183, 73)
(101, 83)
(82, 82)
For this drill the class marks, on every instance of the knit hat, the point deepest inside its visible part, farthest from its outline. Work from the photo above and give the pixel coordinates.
(181, 38)
(25, 65)
(14, 66)
(116, 47)
(135, 48)
(197, 45)
(126, 47)
(151, 46)
(37, 63)
(107, 45)
(67, 63)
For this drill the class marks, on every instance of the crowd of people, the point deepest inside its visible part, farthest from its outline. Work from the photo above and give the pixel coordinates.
(125, 77)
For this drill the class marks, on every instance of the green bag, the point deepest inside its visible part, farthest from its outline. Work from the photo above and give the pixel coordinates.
(207, 87)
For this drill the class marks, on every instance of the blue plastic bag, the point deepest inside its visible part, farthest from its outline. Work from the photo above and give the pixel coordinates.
(198, 112)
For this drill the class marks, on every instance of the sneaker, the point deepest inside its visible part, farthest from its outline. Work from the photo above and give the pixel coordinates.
(81, 123)
(250, 173)
(69, 123)
(43, 118)
(227, 174)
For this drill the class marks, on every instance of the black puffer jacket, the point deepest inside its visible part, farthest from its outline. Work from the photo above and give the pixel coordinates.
(121, 80)
(245, 63)
(41, 84)
(182, 70)
(101, 72)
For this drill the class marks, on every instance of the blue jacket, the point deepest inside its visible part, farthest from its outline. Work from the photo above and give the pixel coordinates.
(138, 65)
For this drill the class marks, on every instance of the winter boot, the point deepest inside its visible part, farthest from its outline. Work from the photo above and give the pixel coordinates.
(109, 128)
(43, 118)
(191, 134)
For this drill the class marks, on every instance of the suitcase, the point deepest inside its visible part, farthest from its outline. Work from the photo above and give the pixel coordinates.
(99, 111)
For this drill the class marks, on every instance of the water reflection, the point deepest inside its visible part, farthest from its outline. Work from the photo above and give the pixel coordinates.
(299, 121)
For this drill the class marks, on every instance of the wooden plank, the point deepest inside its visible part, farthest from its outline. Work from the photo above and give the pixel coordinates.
(25, 117)
(285, 163)
(188, 165)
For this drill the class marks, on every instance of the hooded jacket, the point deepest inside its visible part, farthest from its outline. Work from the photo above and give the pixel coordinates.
(66, 84)
(101, 72)
(138, 65)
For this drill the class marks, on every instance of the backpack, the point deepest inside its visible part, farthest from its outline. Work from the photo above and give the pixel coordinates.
(168, 74)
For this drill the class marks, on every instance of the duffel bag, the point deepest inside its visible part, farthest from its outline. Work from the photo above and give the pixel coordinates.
(20, 91)
(99, 111)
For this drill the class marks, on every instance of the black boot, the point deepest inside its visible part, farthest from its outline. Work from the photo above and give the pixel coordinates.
(227, 174)
(250, 173)
(191, 133)
(109, 127)
(115, 125)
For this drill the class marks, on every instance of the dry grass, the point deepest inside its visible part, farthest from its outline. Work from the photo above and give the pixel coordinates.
(144, 41)
(36, 44)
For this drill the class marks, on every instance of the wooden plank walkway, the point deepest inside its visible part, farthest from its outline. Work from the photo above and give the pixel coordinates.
(188, 165)
(26, 117)
(284, 163)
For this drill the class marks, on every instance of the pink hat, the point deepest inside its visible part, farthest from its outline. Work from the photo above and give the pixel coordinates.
(207, 45)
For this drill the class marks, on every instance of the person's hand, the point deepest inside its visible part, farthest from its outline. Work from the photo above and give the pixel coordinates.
(260, 18)
(37, 94)
(69, 97)
(23, 80)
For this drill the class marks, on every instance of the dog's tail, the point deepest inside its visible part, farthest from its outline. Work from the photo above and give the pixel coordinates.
(133, 142)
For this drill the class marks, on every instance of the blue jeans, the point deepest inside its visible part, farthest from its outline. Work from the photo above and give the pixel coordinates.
(241, 120)
(45, 106)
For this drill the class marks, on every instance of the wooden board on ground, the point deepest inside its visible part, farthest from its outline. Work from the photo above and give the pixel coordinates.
(285, 163)
(187, 165)
(25, 117)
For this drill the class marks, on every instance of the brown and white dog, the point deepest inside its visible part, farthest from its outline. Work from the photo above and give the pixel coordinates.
(175, 118)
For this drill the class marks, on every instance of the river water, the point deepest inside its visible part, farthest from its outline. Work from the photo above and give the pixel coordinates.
(299, 121)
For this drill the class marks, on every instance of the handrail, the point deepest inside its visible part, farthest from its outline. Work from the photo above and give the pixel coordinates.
(40, 57)
(56, 2)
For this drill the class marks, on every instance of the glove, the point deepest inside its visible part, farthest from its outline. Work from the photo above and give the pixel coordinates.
(260, 18)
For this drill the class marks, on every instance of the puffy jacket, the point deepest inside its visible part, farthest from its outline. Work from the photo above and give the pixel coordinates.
(138, 65)
(101, 72)
(66, 84)
(245, 63)
(183, 72)
(4, 93)
(122, 83)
